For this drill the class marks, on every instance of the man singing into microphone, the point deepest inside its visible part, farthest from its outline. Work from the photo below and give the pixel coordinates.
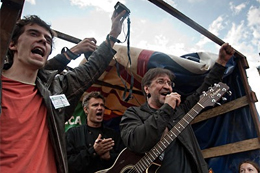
(142, 127)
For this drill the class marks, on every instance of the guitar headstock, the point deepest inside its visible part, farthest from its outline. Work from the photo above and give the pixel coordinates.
(213, 95)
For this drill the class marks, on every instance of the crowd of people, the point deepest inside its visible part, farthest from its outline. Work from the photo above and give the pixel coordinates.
(37, 99)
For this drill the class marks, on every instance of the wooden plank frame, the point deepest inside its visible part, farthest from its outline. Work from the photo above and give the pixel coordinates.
(249, 99)
(11, 9)
(232, 148)
(236, 147)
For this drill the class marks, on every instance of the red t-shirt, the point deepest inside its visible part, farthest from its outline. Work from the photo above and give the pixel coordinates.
(24, 142)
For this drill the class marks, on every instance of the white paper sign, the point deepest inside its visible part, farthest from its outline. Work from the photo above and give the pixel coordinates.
(59, 101)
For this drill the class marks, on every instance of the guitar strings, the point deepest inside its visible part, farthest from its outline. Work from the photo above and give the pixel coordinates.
(135, 169)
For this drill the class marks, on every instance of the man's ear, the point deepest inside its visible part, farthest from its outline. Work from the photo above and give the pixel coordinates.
(146, 89)
(12, 46)
(85, 110)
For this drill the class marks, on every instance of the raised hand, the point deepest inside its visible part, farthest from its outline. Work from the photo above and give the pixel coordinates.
(86, 45)
(226, 51)
(117, 21)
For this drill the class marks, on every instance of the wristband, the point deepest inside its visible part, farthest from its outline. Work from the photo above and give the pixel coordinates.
(111, 38)
(70, 54)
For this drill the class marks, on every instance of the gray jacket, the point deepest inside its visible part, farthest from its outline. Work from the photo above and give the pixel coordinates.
(142, 127)
(73, 84)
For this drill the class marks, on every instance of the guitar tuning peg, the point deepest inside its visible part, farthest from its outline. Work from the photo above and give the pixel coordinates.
(216, 85)
(211, 89)
(229, 93)
(218, 103)
(224, 98)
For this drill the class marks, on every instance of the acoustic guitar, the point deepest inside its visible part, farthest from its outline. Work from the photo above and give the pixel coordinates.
(130, 162)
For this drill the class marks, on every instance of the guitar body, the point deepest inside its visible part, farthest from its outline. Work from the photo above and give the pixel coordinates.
(153, 168)
(125, 163)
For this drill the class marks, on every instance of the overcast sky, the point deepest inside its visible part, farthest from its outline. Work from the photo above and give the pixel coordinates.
(236, 22)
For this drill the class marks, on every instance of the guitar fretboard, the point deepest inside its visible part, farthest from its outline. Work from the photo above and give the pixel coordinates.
(208, 98)
(158, 149)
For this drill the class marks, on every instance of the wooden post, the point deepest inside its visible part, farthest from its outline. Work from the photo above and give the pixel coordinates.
(9, 14)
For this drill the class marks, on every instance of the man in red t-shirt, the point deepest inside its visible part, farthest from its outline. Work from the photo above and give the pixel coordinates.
(36, 102)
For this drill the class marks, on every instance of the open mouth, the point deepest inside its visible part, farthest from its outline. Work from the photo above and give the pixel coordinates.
(99, 114)
(38, 51)
(165, 93)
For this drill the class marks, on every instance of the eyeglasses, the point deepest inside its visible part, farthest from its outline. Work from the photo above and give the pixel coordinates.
(163, 82)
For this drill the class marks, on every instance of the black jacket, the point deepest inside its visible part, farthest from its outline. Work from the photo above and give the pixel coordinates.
(142, 127)
(73, 84)
(82, 157)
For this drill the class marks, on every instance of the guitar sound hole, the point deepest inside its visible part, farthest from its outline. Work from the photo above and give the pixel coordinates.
(130, 171)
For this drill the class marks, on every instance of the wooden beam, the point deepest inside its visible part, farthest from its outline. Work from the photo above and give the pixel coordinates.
(250, 96)
(220, 110)
(66, 37)
(237, 147)
(177, 14)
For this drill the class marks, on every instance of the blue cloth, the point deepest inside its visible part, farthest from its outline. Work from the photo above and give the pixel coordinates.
(231, 127)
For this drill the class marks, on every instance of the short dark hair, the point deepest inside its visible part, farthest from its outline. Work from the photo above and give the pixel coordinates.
(18, 31)
(152, 74)
(93, 94)
(250, 162)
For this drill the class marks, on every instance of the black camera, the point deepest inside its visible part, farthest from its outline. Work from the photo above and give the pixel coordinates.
(119, 7)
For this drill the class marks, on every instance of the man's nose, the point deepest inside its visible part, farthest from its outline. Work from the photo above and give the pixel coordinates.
(43, 39)
(100, 107)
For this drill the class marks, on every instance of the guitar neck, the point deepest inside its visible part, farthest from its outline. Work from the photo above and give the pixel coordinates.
(158, 149)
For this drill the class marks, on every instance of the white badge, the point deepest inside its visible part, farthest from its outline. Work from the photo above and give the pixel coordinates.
(59, 101)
